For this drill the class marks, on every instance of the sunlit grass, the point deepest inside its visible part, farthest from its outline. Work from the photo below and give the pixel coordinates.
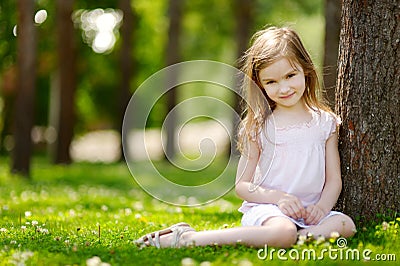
(66, 215)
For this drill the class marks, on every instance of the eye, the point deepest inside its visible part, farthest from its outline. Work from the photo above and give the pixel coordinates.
(269, 82)
(291, 75)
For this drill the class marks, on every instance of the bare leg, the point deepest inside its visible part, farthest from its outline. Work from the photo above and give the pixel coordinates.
(276, 231)
(342, 224)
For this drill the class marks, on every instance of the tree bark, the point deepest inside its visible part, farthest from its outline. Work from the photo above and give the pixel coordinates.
(126, 62)
(368, 101)
(331, 48)
(244, 14)
(67, 81)
(24, 106)
(172, 57)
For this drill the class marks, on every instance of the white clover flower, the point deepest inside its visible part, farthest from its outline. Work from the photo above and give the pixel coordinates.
(335, 235)
(72, 213)
(320, 239)
(127, 211)
(3, 230)
(138, 216)
(302, 238)
(95, 261)
(34, 223)
(138, 206)
(188, 262)
(300, 242)
(245, 262)
(28, 214)
(13, 242)
(104, 208)
(26, 255)
(44, 231)
(23, 227)
(385, 226)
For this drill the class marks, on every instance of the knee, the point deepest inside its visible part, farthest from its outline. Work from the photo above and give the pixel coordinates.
(286, 235)
(348, 226)
(289, 235)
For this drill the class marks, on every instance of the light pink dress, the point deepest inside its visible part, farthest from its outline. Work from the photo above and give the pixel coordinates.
(292, 160)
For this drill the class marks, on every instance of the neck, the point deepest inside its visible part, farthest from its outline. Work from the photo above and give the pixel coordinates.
(297, 109)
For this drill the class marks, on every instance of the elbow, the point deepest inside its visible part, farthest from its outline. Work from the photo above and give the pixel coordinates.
(239, 191)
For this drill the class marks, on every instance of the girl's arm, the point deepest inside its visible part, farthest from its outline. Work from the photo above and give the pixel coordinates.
(244, 175)
(289, 204)
(333, 183)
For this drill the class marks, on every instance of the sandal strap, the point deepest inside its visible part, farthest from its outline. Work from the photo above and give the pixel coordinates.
(177, 234)
(156, 241)
(153, 239)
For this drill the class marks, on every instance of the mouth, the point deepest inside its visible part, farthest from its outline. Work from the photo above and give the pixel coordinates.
(287, 96)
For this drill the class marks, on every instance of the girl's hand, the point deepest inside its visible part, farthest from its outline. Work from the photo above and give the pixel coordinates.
(291, 206)
(314, 214)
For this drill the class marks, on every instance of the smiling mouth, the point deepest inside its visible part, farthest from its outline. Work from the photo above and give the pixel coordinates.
(287, 96)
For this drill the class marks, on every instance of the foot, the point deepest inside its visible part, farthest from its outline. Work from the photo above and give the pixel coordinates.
(173, 236)
(183, 241)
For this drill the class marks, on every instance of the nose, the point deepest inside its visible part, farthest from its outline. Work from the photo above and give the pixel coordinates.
(284, 88)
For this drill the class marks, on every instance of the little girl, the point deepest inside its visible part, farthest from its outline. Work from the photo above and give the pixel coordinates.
(289, 171)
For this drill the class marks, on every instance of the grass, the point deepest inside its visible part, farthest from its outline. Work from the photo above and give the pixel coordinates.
(84, 213)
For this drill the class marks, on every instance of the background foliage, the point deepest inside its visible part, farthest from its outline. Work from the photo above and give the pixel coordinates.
(208, 33)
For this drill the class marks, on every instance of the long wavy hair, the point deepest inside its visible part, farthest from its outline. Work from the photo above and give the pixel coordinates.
(267, 46)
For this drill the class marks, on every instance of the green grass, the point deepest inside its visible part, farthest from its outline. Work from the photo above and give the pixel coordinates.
(67, 215)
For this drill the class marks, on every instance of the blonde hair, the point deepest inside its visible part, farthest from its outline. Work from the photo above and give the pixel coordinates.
(267, 46)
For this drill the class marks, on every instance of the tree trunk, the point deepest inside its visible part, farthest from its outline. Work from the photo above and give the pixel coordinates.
(67, 79)
(126, 62)
(26, 59)
(8, 93)
(368, 102)
(332, 32)
(172, 57)
(244, 15)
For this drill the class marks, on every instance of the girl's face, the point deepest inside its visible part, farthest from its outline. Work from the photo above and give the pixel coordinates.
(284, 83)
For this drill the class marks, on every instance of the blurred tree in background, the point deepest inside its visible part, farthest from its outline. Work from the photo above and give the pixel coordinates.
(25, 87)
(65, 87)
(116, 46)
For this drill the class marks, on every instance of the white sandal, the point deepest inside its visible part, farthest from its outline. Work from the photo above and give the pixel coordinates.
(153, 238)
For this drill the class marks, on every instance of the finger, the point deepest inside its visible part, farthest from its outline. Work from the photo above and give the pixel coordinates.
(311, 215)
(294, 212)
(317, 217)
(303, 212)
(309, 218)
(288, 211)
(309, 212)
(315, 220)
(298, 208)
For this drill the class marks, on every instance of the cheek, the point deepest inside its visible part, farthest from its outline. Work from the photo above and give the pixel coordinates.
(300, 83)
(270, 93)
